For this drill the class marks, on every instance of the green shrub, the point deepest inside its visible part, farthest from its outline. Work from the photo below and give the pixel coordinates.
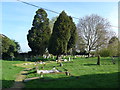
(104, 52)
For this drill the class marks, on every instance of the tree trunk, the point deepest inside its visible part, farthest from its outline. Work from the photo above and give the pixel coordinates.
(98, 62)
(88, 55)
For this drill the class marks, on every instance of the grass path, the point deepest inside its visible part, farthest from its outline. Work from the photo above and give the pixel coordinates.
(19, 80)
(21, 73)
(19, 84)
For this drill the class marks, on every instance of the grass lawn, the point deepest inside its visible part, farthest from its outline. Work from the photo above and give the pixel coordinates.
(85, 74)
(9, 72)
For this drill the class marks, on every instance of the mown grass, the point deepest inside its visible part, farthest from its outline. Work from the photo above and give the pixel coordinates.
(9, 72)
(85, 74)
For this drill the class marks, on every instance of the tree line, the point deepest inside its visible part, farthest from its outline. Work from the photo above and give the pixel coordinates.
(58, 40)
(9, 48)
(62, 36)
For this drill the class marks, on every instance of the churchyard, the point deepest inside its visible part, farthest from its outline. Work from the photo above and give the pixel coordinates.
(60, 52)
(79, 72)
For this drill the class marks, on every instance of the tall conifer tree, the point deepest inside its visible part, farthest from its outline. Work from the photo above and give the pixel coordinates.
(61, 34)
(73, 35)
(39, 34)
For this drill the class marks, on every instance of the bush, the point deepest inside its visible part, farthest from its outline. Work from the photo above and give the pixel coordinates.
(104, 52)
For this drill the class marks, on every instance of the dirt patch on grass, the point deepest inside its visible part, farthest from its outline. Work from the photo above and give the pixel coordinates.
(25, 65)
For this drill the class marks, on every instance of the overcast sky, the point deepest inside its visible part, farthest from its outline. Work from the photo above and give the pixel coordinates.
(17, 17)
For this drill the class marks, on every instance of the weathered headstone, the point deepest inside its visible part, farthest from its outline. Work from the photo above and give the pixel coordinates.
(69, 59)
(67, 73)
(41, 75)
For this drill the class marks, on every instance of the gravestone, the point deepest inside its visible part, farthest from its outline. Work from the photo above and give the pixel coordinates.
(41, 75)
(12, 58)
(53, 57)
(69, 59)
(67, 73)
(61, 64)
(65, 60)
(44, 56)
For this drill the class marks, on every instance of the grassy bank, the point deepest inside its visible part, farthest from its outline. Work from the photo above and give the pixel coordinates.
(9, 72)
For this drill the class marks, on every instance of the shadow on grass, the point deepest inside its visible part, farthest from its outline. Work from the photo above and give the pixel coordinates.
(85, 81)
(34, 60)
(7, 83)
(89, 64)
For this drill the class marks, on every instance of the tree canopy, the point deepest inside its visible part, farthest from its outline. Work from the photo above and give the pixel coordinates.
(60, 36)
(38, 36)
(63, 34)
(51, 23)
(93, 30)
(73, 35)
(9, 47)
(113, 46)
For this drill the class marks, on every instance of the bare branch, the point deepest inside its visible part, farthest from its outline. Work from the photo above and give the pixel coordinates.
(93, 30)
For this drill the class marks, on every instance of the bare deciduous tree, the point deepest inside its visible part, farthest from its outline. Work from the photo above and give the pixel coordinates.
(93, 30)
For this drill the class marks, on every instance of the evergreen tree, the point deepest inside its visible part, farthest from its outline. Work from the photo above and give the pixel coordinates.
(39, 34)
(73, 35)
(51, 22)
(61, 34)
